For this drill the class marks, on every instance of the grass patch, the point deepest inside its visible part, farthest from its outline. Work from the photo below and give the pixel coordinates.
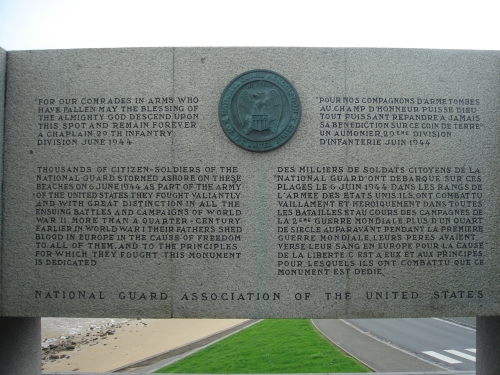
(271, 346)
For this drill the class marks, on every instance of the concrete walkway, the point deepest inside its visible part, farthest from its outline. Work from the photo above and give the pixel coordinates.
(148, 365)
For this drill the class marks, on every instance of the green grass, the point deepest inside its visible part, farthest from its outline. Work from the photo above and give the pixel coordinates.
(271, 346)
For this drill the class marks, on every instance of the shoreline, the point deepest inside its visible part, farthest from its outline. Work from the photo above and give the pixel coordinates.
(119, 342)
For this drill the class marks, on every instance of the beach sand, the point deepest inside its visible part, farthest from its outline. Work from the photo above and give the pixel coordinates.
(127, 341)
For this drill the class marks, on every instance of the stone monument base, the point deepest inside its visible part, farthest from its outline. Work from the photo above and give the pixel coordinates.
(20, 346)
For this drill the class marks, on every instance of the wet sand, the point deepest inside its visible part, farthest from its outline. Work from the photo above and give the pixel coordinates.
(105, 344)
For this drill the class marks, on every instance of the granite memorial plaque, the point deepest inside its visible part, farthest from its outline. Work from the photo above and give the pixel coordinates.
(369, 190)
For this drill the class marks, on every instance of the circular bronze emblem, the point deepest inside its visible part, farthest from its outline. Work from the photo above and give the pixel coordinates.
(259, 110)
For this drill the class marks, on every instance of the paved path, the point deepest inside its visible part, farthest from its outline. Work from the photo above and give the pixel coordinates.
(151, 364)
(377, 355)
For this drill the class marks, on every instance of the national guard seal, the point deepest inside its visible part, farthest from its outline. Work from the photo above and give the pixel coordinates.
(259, 110)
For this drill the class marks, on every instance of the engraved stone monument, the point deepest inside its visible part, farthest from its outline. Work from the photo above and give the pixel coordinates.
(251, 183)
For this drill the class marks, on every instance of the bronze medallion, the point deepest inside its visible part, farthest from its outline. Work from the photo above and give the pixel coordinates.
(259, 110)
